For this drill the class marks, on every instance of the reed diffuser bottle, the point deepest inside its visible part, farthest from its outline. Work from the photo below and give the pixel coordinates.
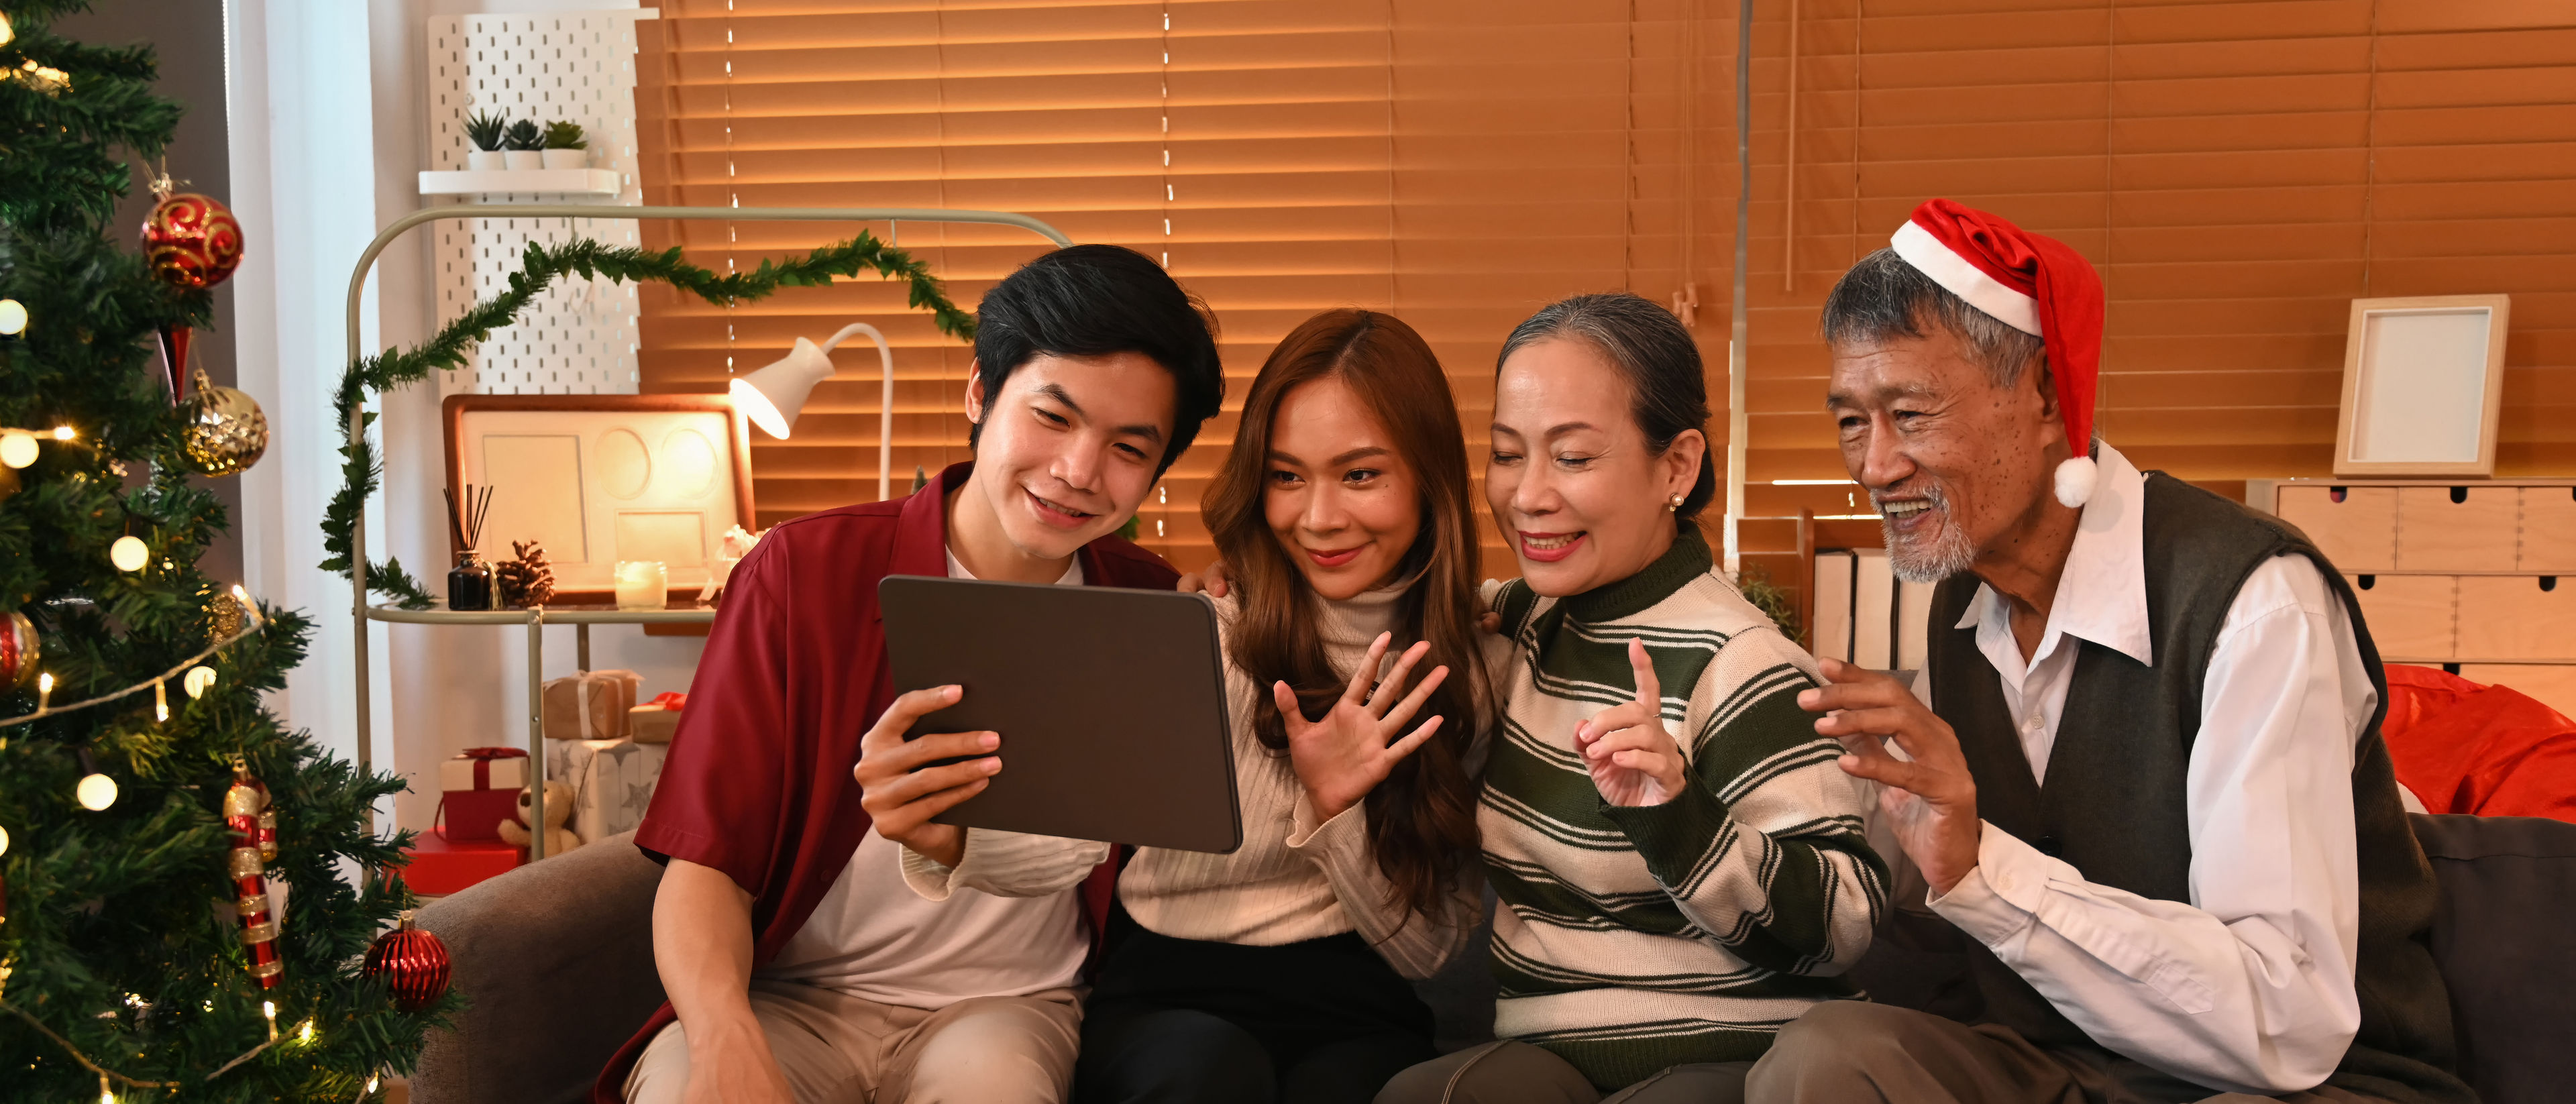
(469, 584)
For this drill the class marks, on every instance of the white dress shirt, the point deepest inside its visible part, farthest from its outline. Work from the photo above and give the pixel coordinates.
(2249, 987)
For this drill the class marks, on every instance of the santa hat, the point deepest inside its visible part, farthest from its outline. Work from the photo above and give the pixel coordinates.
(2035, 284)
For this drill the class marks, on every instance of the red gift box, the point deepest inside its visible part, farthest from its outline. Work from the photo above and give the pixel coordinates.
(472, 802)
(439, 867)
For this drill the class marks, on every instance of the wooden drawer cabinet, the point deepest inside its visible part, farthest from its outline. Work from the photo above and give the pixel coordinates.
(2357, 529)
(2456, 528)
(2548, 525)
(2476, 575)
(2509, 617)
(2554, 685)
(2411, 617)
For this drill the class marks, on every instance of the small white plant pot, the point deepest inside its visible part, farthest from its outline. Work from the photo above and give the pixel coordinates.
(481, 160)
(524, 159)
(567, 158)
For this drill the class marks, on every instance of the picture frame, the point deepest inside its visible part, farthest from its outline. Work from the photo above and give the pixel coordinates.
(603, 478)
(2423, 384)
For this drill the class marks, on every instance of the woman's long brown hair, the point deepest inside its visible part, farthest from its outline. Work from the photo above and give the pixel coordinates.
(1422, 818)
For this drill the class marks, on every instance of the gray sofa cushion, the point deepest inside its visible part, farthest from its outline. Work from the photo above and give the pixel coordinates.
(2503, 935)
(556, 958)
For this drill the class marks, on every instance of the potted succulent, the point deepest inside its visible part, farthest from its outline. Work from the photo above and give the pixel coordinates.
(526, 146)
(566, 148)
(487, 131)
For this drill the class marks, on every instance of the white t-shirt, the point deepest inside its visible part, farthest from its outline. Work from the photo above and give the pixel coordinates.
(873, 938)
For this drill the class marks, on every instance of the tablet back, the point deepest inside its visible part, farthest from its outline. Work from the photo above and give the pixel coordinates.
(1110, 702)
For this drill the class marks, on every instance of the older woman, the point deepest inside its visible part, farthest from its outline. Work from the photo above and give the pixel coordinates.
(1679, 860)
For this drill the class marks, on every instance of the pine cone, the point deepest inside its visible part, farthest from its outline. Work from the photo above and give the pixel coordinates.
(527, 580)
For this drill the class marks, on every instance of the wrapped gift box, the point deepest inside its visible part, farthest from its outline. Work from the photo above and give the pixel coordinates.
(439, 867)
(589, 705)
(612, 782)
(655, 721)
(478, 789)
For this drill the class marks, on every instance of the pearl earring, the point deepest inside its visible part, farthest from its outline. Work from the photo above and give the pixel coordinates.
(1673, 505)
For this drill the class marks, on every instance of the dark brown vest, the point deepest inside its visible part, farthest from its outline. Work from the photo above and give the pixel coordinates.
(2113, 805)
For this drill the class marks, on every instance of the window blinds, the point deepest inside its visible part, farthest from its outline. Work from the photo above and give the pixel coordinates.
(1459, 164)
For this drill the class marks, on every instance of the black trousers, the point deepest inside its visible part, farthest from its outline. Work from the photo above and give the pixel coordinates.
(1181, 1021)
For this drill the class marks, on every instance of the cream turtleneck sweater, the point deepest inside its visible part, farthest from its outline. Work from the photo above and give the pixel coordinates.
(1293, 879)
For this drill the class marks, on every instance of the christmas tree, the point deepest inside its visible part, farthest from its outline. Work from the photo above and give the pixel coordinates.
(188, 888)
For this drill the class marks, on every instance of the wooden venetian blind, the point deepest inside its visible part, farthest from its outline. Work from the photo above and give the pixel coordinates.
(2238, 171)
(1457, 163)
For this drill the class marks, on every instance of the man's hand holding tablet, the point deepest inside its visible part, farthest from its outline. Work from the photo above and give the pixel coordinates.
(901, 794)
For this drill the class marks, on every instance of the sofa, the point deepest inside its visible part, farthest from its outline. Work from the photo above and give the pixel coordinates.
(555, 960)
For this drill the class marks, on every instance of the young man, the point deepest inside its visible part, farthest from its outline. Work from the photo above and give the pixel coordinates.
(800, 968)
(2149, 787)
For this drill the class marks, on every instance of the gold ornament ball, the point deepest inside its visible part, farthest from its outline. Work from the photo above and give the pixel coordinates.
(226, 431)
(223, 618)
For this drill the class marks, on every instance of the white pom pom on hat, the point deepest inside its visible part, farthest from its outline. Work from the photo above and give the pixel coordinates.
(2075, 480)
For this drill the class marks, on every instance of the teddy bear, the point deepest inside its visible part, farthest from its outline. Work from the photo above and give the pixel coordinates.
(559, 835)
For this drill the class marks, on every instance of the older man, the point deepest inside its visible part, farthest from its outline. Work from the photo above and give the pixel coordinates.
(2149, 785)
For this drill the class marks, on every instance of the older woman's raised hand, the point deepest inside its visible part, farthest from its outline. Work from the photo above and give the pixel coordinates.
(1633, 760)
(1340, 758)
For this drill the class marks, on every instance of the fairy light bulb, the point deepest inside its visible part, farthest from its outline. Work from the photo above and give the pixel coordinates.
(17, 447)
(44, 691)
(106, 1095)
(128, 553)
(160, 701)
(4, 841)
(13, 314)
(96, 792)
(65, 433)
(269, 1009)
(373, 1080)
(304, 1034)
(197, 681)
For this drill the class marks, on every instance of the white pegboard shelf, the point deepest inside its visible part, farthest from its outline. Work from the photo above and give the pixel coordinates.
(525, 181)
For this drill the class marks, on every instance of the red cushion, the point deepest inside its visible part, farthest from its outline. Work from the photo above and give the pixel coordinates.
(2483, 750)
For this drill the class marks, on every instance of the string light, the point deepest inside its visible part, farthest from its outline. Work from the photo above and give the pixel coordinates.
(160, 701)
(96, 792)
(44, 691)
(64, 433)
(13, 314)
(4, 841)
(269, 1009)
(105, 1095)
(304, 1034)
(8, 33)
(17, 447)
(128, 553)
(197, 681)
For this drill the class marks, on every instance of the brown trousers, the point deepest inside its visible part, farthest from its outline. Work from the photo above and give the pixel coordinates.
(834, 1048)
(1852, 1052)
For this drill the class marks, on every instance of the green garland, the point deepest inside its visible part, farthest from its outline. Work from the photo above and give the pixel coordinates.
(361, 472)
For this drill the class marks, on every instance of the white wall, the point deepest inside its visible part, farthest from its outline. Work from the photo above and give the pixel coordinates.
(318, 169)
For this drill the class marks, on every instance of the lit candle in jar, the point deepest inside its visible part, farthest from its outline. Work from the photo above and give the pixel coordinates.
(642, 584)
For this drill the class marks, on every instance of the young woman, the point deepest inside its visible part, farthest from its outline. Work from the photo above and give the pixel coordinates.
(1279, 972)
(1680, 863)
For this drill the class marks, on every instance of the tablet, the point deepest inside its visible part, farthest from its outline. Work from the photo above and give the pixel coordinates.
(1110, 702)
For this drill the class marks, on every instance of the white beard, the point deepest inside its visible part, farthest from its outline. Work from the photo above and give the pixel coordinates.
(1929, 559)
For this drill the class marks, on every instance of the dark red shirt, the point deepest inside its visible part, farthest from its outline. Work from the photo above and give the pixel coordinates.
(758, 781)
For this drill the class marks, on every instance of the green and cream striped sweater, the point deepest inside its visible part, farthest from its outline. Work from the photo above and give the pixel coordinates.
(1632, 939)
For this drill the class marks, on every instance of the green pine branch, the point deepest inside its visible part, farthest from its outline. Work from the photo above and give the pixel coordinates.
(361, 472)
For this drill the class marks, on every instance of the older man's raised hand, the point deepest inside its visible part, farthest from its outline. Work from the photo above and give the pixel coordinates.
(1928, 796)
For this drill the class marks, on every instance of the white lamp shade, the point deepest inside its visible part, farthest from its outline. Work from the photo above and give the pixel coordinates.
(772, 396)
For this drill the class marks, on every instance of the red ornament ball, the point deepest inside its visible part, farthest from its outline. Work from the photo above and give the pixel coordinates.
(414, 962)
(192, 241)
(20, 649)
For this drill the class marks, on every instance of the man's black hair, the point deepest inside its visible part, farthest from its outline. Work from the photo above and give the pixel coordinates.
(1096, 300)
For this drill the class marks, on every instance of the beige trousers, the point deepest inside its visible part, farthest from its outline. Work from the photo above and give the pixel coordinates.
(839, 1049)
(1851, 1052)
